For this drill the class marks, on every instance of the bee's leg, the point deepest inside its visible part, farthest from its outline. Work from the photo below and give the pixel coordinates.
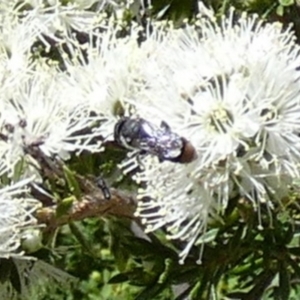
(165, 126)
(103, 186)
(139, 158)
(161, 159)
(133, 153)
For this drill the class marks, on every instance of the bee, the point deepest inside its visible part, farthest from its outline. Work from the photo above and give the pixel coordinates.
(147, 138)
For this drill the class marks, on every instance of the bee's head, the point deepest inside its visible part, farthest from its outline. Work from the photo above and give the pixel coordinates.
(188, 153)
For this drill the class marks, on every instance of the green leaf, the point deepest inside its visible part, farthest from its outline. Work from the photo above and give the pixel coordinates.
(143, 248)
(72, 182)
(19, 169)
(284, 282)
(15, 277)
(286, 2)
(176, 10)
(119, 278)
(167, 271)
(295, 266)
(139, 277)
(5, 269)
(81, 238)
(185, 274)
(119, 252)
(295, 251)
(237, 238)
(208, 236)
(197, 290)
(280, 10)
(151, 292)
(64, 206)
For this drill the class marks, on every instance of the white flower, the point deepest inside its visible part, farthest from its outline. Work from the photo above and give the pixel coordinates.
(174, 200)
(41, 114)
(58, 20)
(103, 73)
(194, 54)
(16, 216)
(276, 102)
(233, 92)
(16, 39)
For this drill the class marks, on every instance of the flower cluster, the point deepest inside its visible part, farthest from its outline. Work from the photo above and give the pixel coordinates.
(65, 72)
(230, 89)
(43, 114)
(16, 217)
(233, 91)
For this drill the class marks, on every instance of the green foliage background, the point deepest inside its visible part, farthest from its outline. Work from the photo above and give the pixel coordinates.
(241, 260)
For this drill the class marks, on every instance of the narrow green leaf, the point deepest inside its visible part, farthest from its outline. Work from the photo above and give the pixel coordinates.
(141, 247)
(208, 236)
(167, 271)
(239, 233)
(119, 278)
(64, 206)
(5, 269)
(295, 251)
(197, 290)
(81, 237)
(139, 277)
(72, 182)
(151, 292)
(15, 278)
(185, 274)
(119, 252)
(284, 282)
(18, 170)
